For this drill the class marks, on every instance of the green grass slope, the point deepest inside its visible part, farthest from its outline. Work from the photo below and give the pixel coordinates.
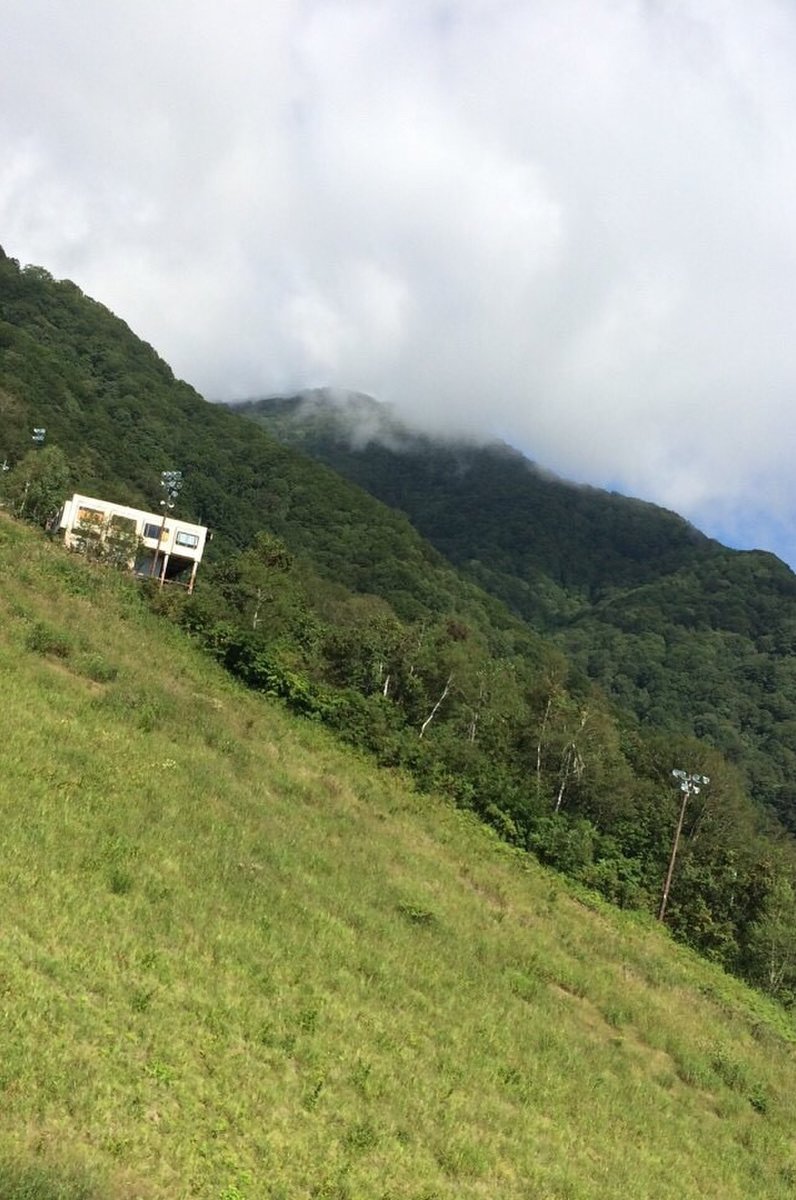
(237, 962)
(511, 724)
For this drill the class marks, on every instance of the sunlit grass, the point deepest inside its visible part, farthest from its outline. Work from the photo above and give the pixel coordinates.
(236, 962)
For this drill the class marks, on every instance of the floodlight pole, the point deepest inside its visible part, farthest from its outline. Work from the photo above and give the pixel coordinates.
(689, 786)
(172, 482)
(165, 506)
(39, 434)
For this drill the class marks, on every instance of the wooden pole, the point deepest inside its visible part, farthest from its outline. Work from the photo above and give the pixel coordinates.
(665, 897)
(154, 570)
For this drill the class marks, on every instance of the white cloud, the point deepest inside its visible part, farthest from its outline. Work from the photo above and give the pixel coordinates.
(566, 222)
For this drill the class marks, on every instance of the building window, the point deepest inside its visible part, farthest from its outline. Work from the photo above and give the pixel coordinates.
(151, 531)
(122, 524)
(90, 516)
(187, 539)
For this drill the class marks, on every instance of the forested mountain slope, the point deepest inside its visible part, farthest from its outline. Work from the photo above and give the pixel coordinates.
(116, 410)
(680, 630)
(239, 962)
(488, 504)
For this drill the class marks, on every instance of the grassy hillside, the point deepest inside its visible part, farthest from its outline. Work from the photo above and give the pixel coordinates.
(238, 963)
(317, 593)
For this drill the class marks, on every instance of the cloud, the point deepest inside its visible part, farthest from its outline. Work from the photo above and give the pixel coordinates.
(567, 223)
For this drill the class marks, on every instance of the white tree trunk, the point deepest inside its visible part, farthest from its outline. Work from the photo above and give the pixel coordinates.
(435, 709)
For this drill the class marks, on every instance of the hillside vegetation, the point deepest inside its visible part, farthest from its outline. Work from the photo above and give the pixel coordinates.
(318, 594)
(238, 962)
(682, 632)
(114, 410)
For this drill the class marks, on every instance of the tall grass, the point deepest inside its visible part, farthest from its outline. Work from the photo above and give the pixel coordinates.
(236, 962)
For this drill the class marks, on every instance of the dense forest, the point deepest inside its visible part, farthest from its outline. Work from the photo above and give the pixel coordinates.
(527, 711)
(683, 633)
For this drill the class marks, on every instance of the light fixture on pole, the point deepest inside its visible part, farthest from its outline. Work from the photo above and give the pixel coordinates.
(690, 785)
(171, 481)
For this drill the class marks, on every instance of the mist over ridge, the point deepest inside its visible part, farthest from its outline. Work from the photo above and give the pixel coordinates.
(360, 421)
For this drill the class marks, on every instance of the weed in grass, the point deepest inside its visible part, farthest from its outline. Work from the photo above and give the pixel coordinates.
(96, 668)
(617, 1013)
(72, 577)
(361, 1137)
(547, 1042)
(333, 1189)
(525, 987)
(416, 914)
(518, 1087)
(694, 1070)
(730, 1070)
(20, 611)
(262, 978)
(43, 638)
(120, 882)
(567, 1188)
(462, 1159)
(220, 742)
(159, 893)
(146, 708)
(511, 1076)
(360, 1076)
(160, 1071)
(268, 1035)
(216, 1019)
(43, 1183)
(141, 1000)
(371, 973)
(312, 1095)
(571, 981)
(307, 1019)
(766, 1036)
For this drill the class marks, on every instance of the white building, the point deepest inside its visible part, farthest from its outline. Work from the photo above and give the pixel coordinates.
(166, 547)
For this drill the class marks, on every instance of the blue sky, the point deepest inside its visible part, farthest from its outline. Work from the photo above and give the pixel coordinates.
(568, 221)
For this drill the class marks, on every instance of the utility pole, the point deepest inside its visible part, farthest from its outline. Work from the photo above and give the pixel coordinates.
(690, 785)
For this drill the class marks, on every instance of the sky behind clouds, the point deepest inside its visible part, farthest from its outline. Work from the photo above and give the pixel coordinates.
(570, 223)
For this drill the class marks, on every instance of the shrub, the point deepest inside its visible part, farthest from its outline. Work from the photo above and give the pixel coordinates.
(44, 639)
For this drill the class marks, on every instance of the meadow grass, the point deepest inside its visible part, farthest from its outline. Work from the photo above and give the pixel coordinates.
(239, 962)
